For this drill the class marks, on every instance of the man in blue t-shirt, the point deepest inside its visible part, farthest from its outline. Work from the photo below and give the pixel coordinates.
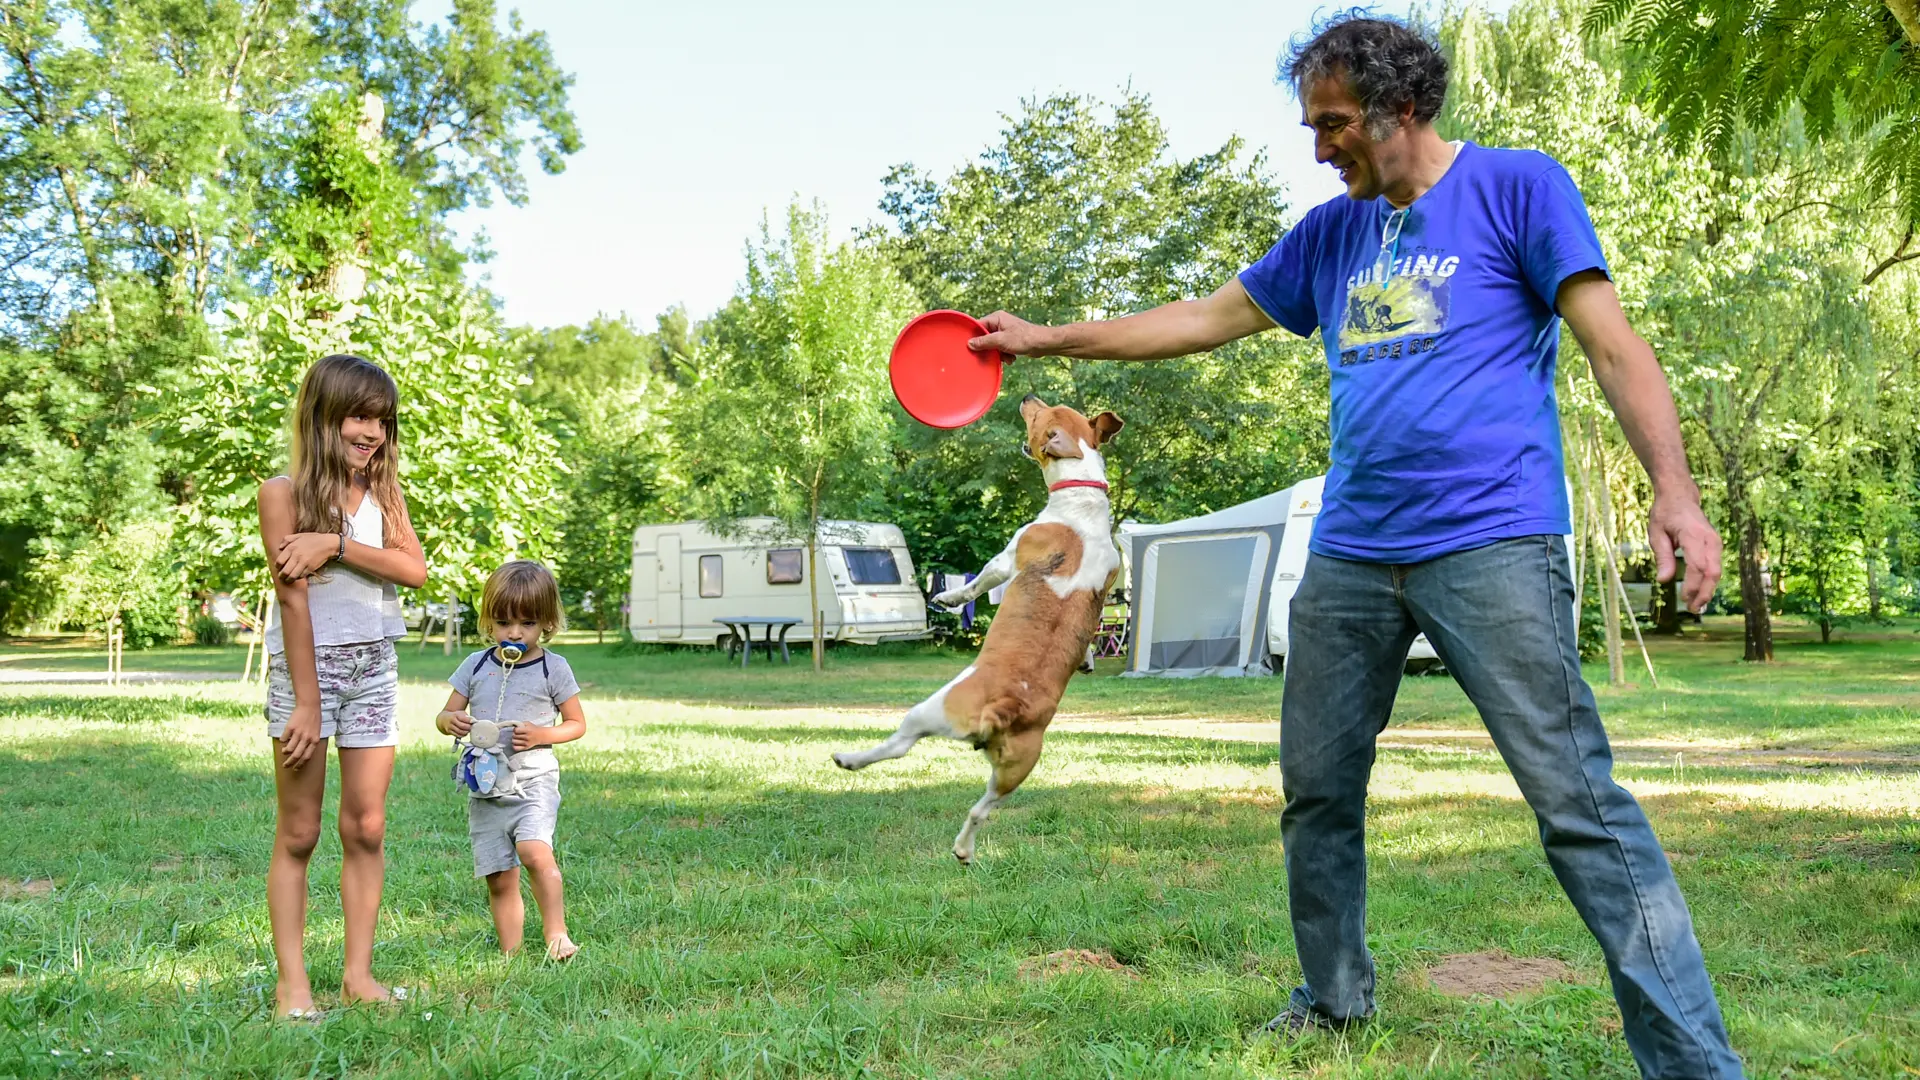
(1438, 284)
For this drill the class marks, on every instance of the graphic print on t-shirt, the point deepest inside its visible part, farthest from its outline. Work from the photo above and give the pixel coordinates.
(1414, 303)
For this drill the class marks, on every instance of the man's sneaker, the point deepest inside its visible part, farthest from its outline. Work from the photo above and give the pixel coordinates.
(1296, 1023)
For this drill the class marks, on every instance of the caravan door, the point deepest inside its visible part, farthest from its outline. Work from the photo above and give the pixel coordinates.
(668, 580)
(1199, 600)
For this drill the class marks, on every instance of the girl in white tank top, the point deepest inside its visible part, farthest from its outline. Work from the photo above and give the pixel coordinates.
(339, 541)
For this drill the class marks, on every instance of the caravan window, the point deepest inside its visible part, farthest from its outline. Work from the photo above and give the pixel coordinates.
(710, 576)
(872, 566)
(784, 566)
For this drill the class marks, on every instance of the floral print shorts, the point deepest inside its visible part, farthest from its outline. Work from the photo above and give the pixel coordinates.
(359, 694)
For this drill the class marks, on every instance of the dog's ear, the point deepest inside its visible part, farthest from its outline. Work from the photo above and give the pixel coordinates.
(1106, 426)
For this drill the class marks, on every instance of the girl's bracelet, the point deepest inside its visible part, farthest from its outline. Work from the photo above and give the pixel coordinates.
(343, 547)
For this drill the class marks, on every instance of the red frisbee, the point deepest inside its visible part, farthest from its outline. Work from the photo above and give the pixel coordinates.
(939, 381)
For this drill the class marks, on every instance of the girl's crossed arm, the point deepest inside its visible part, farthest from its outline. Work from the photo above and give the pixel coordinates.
(300, 554)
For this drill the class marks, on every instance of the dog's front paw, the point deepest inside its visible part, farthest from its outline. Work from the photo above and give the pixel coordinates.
(951, 600)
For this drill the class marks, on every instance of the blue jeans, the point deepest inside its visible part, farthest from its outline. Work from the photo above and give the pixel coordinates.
(1501, 619)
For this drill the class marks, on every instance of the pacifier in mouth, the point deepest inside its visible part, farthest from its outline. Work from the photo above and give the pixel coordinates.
(512, 651)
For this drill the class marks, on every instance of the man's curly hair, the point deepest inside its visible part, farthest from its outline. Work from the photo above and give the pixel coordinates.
(1386, 64)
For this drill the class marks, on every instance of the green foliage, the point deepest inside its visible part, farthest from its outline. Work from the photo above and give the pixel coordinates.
(1081, 211)
(1743, 270)
(133, 572)
(210, 631)
(77, 425)
(477, 464)
(465, 102)
(789, 415)
(160, 161)
(602, 386)
(346, 202)
(135, 160)
(1851, 68)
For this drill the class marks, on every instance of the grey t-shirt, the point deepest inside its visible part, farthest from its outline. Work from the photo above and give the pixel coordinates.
(535, 690)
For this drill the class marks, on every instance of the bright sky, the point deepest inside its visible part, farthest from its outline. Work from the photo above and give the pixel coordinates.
(698, 118)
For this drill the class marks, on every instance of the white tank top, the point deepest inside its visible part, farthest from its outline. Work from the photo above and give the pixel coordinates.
(347, 606)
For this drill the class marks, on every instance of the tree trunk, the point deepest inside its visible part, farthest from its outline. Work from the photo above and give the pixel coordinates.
(345, 277)
(1873, 578)
(449, 624)
(1667, 603)
(1753, 587)
(813, 579)
(1907, 13)
(1820, 597)
(813, 598)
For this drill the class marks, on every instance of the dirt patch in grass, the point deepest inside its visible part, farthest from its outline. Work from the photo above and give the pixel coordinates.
(1495, 974)
(1065, 960)
(35, 889)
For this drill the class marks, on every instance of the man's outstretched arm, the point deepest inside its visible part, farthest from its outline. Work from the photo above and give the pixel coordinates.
(1177, 329)
(1630, 376)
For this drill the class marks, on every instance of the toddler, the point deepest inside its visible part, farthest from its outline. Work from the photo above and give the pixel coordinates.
(516, 688)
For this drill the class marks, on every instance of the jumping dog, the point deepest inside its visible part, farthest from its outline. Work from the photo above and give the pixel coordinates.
(1062, 566)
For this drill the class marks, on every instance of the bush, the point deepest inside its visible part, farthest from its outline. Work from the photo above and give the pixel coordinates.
(208, 630)
(132, 572)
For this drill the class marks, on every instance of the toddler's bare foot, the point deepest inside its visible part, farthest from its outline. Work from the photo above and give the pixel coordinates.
(363, 991)
(561, 948)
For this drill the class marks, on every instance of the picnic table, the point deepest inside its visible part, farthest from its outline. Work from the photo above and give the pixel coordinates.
(741, 636)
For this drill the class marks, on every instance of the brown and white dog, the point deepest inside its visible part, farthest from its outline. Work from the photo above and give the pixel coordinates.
(1062, 566)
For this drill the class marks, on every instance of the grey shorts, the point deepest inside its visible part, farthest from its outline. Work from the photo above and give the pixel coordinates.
(359, 694)
(496, 825)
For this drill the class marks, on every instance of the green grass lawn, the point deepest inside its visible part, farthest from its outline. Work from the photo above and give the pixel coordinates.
(747, 909)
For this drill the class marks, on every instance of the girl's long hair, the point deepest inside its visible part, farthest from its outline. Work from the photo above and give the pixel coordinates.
(337, 387)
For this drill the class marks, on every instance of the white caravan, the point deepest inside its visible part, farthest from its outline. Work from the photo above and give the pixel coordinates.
(685, 577)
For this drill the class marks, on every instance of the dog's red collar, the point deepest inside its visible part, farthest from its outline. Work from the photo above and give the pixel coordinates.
(1101, 484)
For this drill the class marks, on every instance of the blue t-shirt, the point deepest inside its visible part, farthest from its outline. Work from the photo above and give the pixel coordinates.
(1446, 431)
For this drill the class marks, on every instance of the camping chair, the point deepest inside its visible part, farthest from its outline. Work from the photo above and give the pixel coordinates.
(1110, 640)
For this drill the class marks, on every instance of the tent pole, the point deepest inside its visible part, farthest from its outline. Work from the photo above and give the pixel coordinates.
(1613, 569)
(1582, 520)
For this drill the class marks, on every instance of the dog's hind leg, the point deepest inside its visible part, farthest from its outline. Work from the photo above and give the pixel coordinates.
(927, 718)
(1012, 758)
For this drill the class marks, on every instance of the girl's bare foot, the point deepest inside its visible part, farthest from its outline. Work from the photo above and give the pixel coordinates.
(294, 1001)
(363, 991)
(561, 948)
